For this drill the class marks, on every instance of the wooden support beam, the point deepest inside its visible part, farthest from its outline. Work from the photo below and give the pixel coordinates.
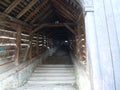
(13, 20)
(63, 13)
(69, 7)
(53, 25)
(10, 23)
(41, 14)
(70, 29)
(18, 42)
(62, 8)
(36, 9)
(77, 3)
(12, 6)
(46, 15)
(3, 3)
(28, 48)
(37, 47)
(11, 26)
(26, 8)
(38, 28)
(79, 17)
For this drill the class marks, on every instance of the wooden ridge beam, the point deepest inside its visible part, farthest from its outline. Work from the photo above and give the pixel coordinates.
(36, 9)
(41, 14)
(12, 6)
(26, 8)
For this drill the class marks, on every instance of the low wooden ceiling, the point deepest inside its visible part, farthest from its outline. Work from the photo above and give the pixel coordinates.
(37, 12)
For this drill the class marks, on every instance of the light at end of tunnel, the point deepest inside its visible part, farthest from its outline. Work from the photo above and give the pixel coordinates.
(66, 41)
(48, 47)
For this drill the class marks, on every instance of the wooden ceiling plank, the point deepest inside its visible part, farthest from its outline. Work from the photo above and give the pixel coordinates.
(26, 8)
(41, 14)
(36, 9)
(12, 6)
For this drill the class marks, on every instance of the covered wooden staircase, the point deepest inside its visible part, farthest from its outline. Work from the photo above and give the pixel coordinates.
(29, 31)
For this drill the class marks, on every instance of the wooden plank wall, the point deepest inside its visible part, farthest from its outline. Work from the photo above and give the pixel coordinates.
(78, 42)
(17, 46)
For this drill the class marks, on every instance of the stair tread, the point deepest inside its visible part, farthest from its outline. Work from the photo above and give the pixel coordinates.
(57, 66)
(53, 75)
(54, 65)
(52, 78)
(54, 71)
(52, 82)
(53, 68)
(48, 87)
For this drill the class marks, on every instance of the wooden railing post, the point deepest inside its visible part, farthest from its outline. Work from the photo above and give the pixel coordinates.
(37, 51)
(18, 43)
(28, 48)
(30, 44)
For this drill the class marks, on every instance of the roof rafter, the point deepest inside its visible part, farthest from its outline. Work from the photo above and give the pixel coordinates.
(61, 13)
(41, 14)
(63, 7)
(26, 8)
(12, 6)
(70, 8)
(36, 9)
(46, 15)
(63, 10)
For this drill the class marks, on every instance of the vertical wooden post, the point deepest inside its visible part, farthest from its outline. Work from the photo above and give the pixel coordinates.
(37, 44)
(18, 42)
(30, 49)
(43, 43)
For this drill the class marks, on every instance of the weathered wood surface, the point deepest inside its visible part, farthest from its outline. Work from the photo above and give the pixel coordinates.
(18, 42)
